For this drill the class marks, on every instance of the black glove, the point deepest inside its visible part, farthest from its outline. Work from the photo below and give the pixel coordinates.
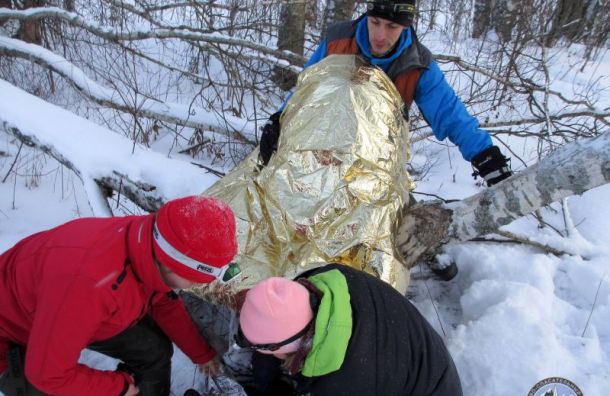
(269, 137)
(492, 166)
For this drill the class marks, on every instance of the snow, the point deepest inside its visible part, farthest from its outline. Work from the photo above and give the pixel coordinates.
(107, 151)
(513, 316)
(190, 115)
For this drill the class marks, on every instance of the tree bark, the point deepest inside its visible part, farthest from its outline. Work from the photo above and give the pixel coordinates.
(482, 18)
(503, 19)
(30, 31)
(568, 21)
(70, 5)
(337, 11)
(574, 169)
(5, 4)
(291, 37)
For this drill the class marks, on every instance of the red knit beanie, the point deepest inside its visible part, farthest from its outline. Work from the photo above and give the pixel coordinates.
(275, 310)
(195, 237)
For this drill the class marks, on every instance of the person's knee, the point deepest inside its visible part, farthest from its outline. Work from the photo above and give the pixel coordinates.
(165, 349)
(151, 351)
(161, 351)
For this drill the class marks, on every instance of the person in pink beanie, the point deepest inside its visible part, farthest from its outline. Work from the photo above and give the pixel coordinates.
(277, 309)
(107, 284)
(335, 330)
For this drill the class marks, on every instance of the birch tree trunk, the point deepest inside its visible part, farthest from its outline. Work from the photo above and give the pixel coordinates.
(578, 167)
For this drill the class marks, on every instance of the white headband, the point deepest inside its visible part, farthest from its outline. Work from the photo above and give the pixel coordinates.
(175, 254)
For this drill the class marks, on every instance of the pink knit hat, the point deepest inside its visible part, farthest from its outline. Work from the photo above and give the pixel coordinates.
(195, 237)
(275, 310)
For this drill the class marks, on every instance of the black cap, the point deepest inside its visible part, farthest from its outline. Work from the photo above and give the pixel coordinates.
(401, 11)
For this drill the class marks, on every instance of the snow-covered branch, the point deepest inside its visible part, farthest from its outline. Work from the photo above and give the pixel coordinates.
(95, 193)
(148, 107)
(601, 116)
(103, 160)
(573, 169)
(207, 41)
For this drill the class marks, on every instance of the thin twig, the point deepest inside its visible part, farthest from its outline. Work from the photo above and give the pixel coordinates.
(527, 241)
(494, 240)
(435, 196)
(567, 219)
(14, 162)
(594, 303)
(211, 170)
(438, 316)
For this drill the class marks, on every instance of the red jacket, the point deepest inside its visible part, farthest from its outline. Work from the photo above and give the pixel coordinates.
(61, 290)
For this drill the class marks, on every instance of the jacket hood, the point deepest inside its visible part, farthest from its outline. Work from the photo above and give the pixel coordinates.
(333, 325)
(140, 252)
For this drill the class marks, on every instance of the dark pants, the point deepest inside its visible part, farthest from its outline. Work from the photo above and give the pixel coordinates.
(144, 348)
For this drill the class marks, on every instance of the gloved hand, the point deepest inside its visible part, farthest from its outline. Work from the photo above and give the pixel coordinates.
(491, 165)
(269, 137)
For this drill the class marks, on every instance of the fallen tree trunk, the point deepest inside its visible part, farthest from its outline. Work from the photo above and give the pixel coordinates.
(574, 169)
(103, 160)
(142, 194)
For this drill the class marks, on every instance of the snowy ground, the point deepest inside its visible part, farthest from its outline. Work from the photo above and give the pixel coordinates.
(513, 316)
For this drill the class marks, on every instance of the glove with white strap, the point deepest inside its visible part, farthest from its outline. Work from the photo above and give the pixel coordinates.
(491, 165)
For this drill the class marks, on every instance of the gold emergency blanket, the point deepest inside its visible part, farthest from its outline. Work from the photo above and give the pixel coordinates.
(333, 191)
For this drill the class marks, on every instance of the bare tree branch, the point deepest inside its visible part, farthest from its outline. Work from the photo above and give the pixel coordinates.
(285, 59)
(150, 107)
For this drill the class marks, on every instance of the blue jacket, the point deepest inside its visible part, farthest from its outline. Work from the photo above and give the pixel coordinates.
(437, 101)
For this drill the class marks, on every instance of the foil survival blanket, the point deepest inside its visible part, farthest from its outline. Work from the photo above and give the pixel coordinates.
(335, 187)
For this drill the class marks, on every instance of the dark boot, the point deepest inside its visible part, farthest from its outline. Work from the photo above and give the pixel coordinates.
(446, 272)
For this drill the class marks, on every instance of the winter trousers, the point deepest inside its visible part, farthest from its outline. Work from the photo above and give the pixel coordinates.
(144, 349)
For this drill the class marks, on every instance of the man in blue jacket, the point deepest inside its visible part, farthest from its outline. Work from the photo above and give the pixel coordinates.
(385, 37)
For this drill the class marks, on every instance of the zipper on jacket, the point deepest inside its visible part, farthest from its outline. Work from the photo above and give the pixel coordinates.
(121, 276)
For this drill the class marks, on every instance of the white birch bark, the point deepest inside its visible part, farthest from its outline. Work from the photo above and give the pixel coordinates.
(573, 169)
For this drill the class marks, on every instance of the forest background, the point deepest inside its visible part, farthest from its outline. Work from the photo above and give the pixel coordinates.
(195, 80)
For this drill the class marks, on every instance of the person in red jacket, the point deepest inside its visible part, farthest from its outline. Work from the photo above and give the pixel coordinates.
(106, 284)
